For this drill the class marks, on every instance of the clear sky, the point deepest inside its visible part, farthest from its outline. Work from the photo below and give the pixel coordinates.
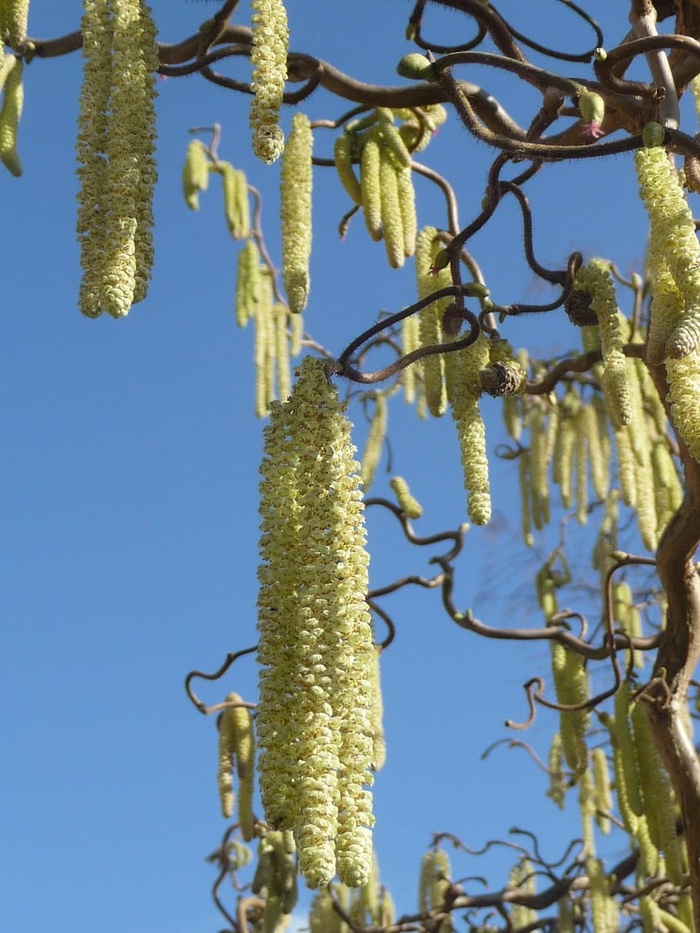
(129, 496)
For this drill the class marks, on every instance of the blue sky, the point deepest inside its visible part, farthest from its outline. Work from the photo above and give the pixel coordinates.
(129, 499)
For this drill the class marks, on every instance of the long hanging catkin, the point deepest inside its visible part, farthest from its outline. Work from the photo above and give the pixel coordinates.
(314, 719)
(115, 150)
(269, 59)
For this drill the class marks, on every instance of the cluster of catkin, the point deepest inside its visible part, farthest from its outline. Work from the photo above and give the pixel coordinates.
(278, 326)
(317, 661)
(571, 434)
(237, 750)
(384, 189)
(275, 879)
(456, 380)
(434, 881)
(642, 790)
(115, 150)
(674, 270)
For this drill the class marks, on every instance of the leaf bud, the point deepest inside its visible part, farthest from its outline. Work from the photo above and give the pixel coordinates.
(415, 65)
(653, 134)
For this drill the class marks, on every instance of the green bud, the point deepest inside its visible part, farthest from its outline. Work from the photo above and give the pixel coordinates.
(653, 135)
(416, 65)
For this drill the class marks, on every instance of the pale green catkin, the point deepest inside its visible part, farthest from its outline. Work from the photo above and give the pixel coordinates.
(195, 173)
(462, 369)
(370, 181)
(601, 789)
(269, 60)
(375, 440)
(10, 114)
(295, 211)
(429, 280)
(343, 155)
(391, 214)
(236, 204)
(13, 23)
(596, 279)
(316, 655)
(115, 149)
(407, 502)
(672, 233)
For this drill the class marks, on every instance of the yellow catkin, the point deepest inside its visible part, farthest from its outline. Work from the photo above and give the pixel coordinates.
(430, 319)
(391, 214)
(512, 408)
(391, 138)
(407, 206)
(463, 391)
(599, 890)
(236, 743)
(91, 148)
(236, 204)
(378, 742)
(525, 497)
(131, 175)
(565, 445)
(268, 57)
(596, 279)
(540, 455)
(10, 114)
(601, 789)
(295, 212)
(225, 770)
(581, 464)
(590, 426)
(434, 879)
(657, 794)
(265, 352)
(628, 618)
(570, 679)
(684, 397)
(522, 879)
(640, 442)
(248, 282)
(557, 781)
(116, 162)
(625, 743)
(195, 173)
(282, 361)
(375, 440)
(407, 502)
(323, 918)
(672, 233)
(629, 817)
(410, 375)
(315, 651)
(370, 181)
(13, 20)
(343, 155)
